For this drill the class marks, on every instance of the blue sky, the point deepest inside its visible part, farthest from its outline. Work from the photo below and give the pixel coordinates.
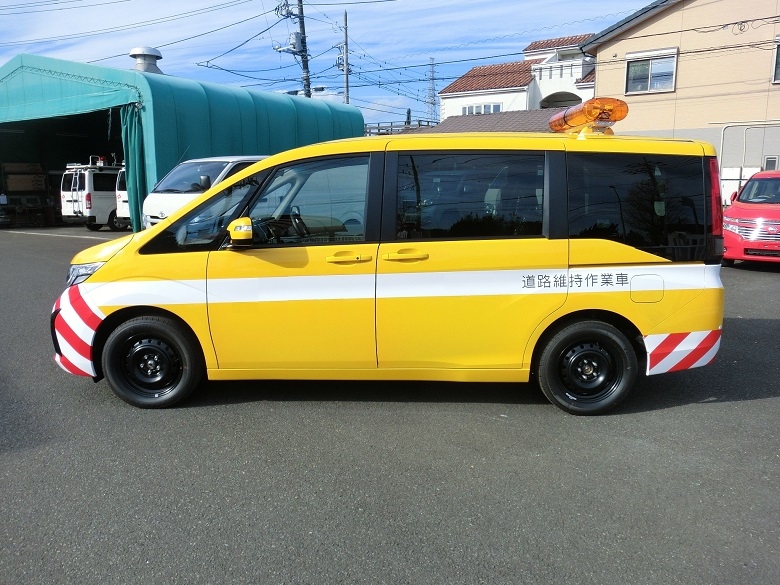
(391, 42)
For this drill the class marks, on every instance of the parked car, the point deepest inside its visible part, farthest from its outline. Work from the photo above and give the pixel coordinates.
(751, 224)
(573, 260)
(186, 181)
(88, 195)
(122, 204)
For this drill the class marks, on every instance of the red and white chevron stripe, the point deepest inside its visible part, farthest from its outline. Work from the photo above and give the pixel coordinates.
(681, 351)
(75, 325)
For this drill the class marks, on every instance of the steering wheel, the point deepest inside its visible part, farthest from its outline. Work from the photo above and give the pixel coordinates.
(297, 223)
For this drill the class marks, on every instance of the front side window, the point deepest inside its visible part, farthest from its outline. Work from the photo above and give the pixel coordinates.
(322, 201)
(648, 74)
(469, 195)
(655, 203)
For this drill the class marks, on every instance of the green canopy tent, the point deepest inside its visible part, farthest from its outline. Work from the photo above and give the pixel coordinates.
(166, 119)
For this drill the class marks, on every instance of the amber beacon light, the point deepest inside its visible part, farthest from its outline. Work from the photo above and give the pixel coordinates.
(596, 114)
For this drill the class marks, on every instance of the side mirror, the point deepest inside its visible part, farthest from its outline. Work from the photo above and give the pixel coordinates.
(240, 233)
(734, 196)
(205, 182)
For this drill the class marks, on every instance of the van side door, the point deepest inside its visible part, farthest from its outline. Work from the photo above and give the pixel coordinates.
(465, 271)
(302, 297)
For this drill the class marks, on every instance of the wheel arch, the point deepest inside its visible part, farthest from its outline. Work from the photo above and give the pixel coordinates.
(624, 325)
(116, 318)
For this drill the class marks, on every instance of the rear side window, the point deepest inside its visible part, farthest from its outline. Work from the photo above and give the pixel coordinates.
(469, 195)
(121, 184)
(103, 181)
(655, 203)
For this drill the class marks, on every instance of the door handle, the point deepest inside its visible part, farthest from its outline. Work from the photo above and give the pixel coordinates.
(349, 258)
(401, 256)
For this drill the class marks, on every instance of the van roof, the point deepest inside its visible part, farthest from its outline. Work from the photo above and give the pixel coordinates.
(230, 158)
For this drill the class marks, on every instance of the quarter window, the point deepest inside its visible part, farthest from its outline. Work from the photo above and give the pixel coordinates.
(654, 72)
(469, 195)
(654, 203)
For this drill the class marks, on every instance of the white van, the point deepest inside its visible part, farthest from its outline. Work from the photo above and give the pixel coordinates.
(88, 195)
(122, 204)
(187, 180)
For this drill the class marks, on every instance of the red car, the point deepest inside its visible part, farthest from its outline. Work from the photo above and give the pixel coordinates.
(751, 224)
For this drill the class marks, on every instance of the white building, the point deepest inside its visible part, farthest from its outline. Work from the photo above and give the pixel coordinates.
(553, 73)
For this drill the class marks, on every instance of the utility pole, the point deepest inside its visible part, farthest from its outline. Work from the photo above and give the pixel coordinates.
(304, 52)
(346, 61)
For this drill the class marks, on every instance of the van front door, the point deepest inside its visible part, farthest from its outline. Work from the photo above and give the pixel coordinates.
(302, 298)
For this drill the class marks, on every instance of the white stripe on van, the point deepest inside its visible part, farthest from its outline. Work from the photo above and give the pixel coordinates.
(657, 277)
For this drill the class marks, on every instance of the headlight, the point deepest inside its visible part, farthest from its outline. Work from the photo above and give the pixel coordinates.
(729, 227)
(78, 273)
(146, 222)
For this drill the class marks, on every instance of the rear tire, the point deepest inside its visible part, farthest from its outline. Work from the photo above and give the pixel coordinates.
(152, 362)
(114, 224)
(93, 227)
(587, 368)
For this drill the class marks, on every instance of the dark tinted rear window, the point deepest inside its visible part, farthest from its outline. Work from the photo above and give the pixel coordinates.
(655, 203)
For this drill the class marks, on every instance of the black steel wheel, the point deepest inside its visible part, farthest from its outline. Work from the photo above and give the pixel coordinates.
(152, 362)
(587, 367)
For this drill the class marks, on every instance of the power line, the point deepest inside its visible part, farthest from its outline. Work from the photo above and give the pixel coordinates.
(58, 9)
(154, 21)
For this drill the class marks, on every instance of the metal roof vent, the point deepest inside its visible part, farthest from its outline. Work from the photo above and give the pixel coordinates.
(146, 59)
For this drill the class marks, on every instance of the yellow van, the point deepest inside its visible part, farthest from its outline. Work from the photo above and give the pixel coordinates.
(580, 261)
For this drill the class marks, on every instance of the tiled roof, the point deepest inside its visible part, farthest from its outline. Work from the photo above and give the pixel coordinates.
(557, 43)
(590, 77)
(503, 75)
(520, 121)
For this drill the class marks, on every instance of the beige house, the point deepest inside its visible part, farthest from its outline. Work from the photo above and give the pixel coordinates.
(704, 69)
(553, 73)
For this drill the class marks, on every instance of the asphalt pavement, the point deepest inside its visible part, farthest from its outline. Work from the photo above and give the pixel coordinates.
(418, 483)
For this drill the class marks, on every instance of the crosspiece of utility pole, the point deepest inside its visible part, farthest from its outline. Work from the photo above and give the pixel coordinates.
(297, 46)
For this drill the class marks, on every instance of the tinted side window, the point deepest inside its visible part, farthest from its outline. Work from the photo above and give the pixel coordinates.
(655, 203)
(104, 181)
(469, 195)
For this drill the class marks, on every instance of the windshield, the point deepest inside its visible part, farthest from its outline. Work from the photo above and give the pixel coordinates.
(761, 191)
(185, 178)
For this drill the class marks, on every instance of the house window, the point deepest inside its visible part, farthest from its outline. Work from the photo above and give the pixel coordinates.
(651, 71)
(480, 109)
(770, 163)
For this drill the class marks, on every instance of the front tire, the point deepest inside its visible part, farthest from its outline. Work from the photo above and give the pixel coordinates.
(93, 227)
(152, 362)
(587, 368)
